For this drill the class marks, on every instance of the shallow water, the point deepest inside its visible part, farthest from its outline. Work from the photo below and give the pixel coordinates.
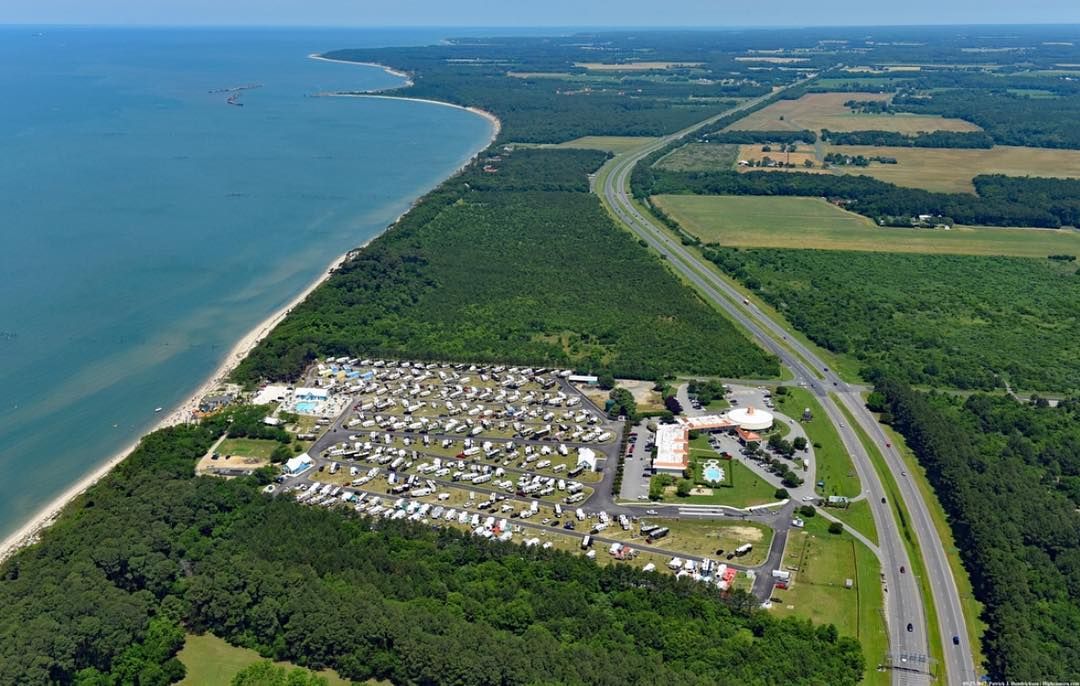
(146, 224)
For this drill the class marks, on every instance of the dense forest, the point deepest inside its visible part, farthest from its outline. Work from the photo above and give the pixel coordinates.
(1007, 475)
(999, 200)
(951, 320)
(153, 552)
(1009, 117)
(931, 139)
(511, 275)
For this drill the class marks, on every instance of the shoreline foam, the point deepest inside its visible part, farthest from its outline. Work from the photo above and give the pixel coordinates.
(30, 532)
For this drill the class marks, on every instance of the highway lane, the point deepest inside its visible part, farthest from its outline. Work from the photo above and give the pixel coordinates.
(904, 602)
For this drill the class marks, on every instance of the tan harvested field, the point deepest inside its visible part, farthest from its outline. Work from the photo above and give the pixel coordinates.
(812, 223)
(951, 170)
(773, 60)
(816, 111)
(634, 66)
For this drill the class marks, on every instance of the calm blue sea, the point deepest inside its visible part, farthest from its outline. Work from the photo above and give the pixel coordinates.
(146, 224)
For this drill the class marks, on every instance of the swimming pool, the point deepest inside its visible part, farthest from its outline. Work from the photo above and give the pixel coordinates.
(307, 406)
(713, 472)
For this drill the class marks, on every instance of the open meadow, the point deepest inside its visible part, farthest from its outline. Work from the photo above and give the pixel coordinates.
(816, 111)
(210, 661)
(700, 157)
(745, 221)
(821, 564)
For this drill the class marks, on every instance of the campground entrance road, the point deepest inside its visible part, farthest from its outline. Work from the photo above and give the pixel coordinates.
(904, 603)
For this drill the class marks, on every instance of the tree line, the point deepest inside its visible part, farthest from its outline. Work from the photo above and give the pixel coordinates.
(486, 271)
(925, 139)
(153, 552)
(999, 200)
(1006, 475)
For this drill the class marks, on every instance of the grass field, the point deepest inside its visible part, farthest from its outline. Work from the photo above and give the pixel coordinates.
(614, 144)
(857, 515)
(951, 170)
(210, 661)
(700, 157)
(247, 447)
(833, 462)
(747, 489)
(789, 222)
(821, 563)
(703, 538)
(816, 111)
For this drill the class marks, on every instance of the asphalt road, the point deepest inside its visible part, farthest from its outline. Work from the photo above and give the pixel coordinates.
(904, 602)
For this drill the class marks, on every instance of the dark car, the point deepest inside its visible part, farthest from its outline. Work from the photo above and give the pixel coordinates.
(956, 640)
(910, 627)
(556, 523)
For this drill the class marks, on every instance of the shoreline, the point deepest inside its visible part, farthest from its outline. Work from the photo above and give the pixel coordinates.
(389, 70)
(29, 533)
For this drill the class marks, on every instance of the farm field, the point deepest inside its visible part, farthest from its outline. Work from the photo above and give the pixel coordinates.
(754, 153)
(614, 144)
(820, 564)
(210, 661)
(816, 111)
(700, 157)
(951, 170)
(793, 222)
(635, 66)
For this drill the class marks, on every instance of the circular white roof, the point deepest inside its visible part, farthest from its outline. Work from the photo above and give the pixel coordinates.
(751, 418)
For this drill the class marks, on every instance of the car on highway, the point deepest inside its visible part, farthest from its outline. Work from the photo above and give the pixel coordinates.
(650, 512)
(956, 640)
(910, 627)
(902, 570)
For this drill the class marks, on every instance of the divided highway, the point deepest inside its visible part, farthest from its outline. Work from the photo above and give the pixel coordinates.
(904, 603)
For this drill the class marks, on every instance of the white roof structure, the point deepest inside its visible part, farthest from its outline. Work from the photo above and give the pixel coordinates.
(588, 457)
(706, 422)
(298, 464)
(672, 448)
(271, 394)
(751, 419)
(305, 393)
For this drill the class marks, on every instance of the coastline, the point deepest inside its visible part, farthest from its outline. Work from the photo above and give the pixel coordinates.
(30, 531)
(389, 70)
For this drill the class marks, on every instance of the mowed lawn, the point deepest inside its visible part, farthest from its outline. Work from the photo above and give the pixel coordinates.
(210, 661)
(820, 564)
(614, 144)
(951, 170)
(816, 111)
(746, 221)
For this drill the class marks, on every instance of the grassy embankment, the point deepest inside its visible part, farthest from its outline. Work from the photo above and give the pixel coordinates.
(834, 465)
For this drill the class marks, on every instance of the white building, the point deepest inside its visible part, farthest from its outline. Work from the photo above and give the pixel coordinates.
(751, 419)
(311, 394)
(587, 457)
(300, 463)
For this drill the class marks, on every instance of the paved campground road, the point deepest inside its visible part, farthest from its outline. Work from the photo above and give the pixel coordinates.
(904, 602)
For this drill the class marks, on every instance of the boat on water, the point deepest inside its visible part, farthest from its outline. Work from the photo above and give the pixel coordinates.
(158, 409)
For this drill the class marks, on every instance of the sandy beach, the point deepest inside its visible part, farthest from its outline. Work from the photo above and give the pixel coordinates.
(31, 530)
(389, 70)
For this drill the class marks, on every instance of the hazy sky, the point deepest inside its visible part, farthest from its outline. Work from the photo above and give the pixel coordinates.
(696, 13)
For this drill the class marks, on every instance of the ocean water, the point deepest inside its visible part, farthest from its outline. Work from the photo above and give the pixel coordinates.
(146, 224)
